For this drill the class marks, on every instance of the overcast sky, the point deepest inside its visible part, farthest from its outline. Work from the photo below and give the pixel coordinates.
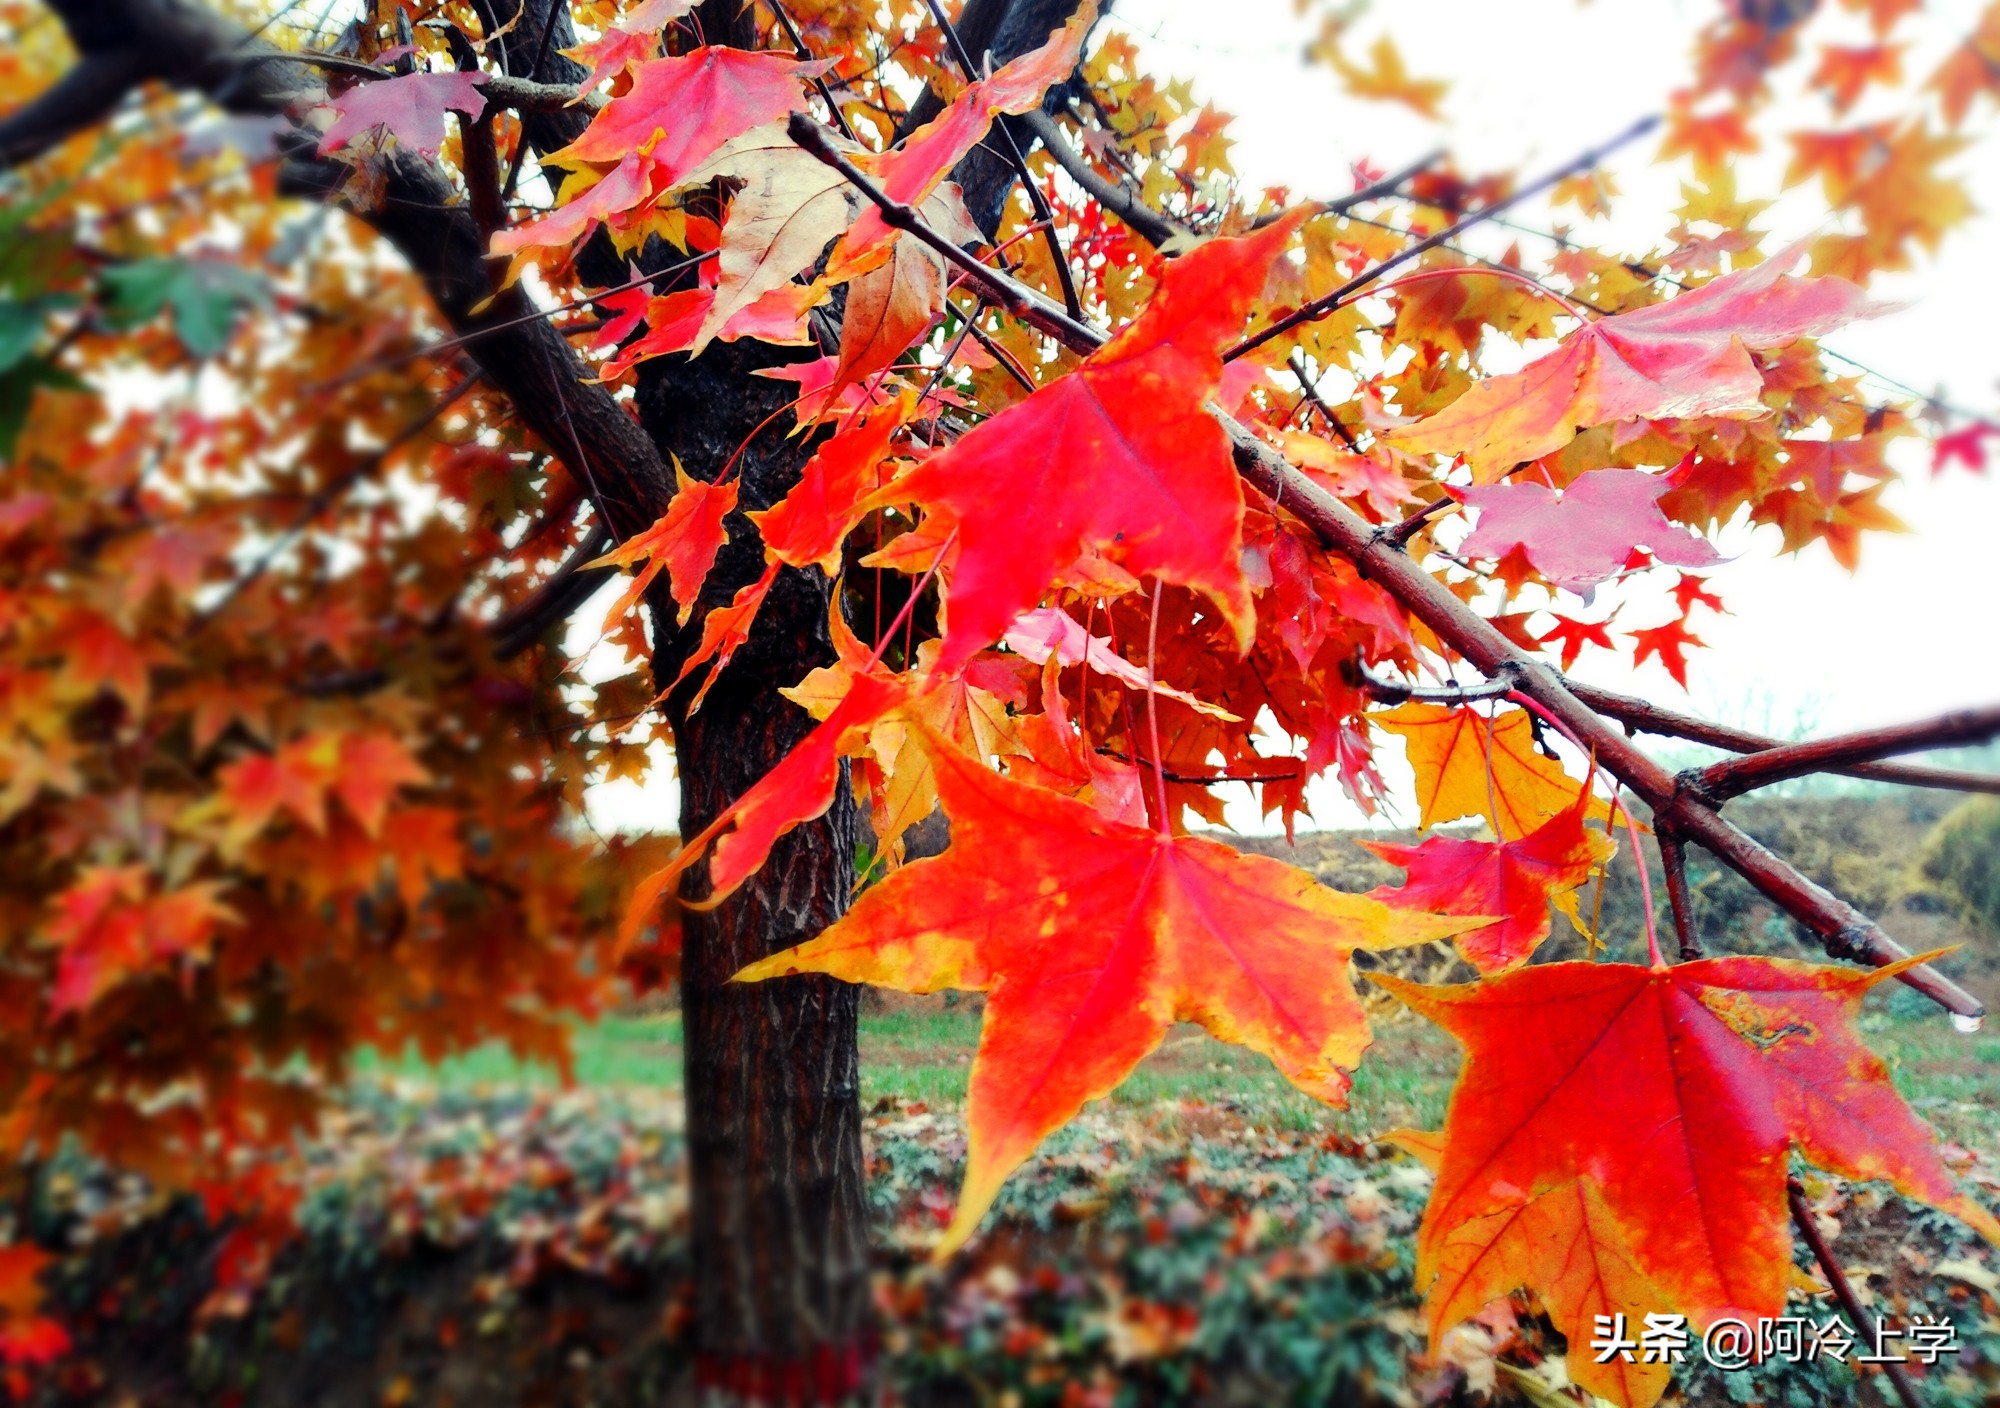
(1534, 82)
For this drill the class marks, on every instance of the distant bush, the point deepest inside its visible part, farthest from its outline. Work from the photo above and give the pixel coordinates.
(1962, 857)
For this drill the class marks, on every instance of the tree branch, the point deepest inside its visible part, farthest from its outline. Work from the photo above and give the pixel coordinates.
(1673, 860)
(1651, 718)
(1151, 226)
(81, 99)
(1739, 775)
(567, 588)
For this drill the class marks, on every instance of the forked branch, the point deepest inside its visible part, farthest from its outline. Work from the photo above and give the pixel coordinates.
(1648, 717)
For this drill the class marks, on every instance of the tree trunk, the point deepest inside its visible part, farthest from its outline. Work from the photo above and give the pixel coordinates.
(772, 1069)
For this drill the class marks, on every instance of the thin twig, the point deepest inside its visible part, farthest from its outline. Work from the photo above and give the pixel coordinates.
(1322, 306)
(1802, 1218)
(1015, 157)
(819, 80)
(383, 364)
(1391, 692)
(1311, 392)
(1673, 859)
(1651, 718)
(1388, 186)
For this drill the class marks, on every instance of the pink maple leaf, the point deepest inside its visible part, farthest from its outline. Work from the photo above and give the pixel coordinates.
(411, 107)
(1586, 533)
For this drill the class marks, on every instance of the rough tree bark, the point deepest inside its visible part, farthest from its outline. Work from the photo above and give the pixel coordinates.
(772, 1070)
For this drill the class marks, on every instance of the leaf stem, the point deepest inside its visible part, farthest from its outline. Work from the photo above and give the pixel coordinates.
(1153, 706)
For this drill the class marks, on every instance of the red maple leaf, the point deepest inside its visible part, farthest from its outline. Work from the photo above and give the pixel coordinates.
(1118, 456)
(1515, 880)
(1574, 635)
(682, 542)
(1690, 590)
(1091, 940)
(1967, 445)
(109, 928)
(1716, 1070)
(798, 789)
(1668, 642)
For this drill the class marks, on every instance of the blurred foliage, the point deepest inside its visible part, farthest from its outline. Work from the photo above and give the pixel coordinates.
(1963, 857)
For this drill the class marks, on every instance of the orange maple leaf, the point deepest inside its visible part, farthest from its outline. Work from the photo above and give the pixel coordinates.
(1091, 937)
(372, 767)
(1469, 765)
(1684, 358)
(807, 527)
(1718, 1069)
(682, 542)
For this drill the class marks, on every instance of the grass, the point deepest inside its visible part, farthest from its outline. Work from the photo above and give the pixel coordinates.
(923, 1050)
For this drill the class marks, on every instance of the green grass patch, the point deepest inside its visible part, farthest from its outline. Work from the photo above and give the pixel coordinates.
(924, 1052)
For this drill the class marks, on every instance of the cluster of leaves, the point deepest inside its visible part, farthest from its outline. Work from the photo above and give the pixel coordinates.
(269, 791)
(273, 790)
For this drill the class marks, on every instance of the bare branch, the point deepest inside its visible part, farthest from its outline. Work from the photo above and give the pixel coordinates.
(1739, 775)
(1673, 860)
(1390, 692)
(1155, 229)
(1651, 718)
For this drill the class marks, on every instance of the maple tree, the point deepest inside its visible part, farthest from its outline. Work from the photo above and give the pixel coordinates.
(997, 451)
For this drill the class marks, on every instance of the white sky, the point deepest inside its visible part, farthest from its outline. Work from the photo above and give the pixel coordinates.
(1534, 82)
